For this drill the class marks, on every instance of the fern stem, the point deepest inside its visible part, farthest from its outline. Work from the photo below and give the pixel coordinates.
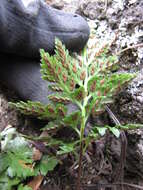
(80, 167)
(83, 121)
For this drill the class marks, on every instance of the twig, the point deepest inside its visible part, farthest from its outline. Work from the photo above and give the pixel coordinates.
(120, 172)
(106, 5)
(116, 121)
(130, 47)
(114, 184)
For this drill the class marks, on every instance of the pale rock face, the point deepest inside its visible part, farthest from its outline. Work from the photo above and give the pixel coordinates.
(27, 2)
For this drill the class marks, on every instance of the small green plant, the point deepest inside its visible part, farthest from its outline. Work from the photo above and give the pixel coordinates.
(85, 82)
(17, 163)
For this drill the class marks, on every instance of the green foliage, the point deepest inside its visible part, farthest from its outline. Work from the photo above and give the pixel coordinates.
(67, 148)
(46, 164)
(6, 183)
(86, 82)
(46, 112)
(102, 130)
(21, 187)
(16, 161)
(116, 129)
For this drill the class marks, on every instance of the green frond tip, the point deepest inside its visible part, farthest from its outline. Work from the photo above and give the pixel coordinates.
(48, 67)
(116, 129)
(42, 52)
(58, 42)
(109, 83)
(37, 109)
(130, 126)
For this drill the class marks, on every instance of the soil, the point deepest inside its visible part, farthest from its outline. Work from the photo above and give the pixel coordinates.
(101, 164)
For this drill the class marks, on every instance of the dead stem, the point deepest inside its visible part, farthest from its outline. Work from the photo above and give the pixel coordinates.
(114, 184)
(130, 47)
(120, 171)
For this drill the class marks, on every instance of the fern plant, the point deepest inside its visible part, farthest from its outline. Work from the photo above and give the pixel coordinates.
(84, 82)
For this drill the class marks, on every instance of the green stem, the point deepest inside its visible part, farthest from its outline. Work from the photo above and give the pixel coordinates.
(80, 167)
(83, 121)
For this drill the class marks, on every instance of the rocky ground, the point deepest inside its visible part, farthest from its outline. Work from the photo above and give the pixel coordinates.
(107, 17)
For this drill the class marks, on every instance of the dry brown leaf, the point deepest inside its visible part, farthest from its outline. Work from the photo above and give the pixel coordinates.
(36, 182)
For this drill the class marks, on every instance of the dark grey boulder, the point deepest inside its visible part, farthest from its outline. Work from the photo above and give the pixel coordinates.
(24, 30)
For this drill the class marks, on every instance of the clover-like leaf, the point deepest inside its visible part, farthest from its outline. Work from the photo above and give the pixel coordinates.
(47, 164)
(115, 131)
(101, 130)
(130, 126)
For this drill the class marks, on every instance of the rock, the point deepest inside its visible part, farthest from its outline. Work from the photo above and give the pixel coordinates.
(56, 4)
(134, 155)
(7, 115)
(134, 162)
(92, 9)
(66, 5)
(128, 105)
